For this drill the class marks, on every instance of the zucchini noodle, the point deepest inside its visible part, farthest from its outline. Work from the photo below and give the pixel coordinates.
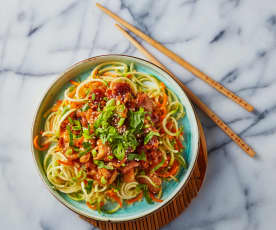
(128, 190)
(149, 180)
(62, 118)
(169, 117)
(113, 138)
(113, 66)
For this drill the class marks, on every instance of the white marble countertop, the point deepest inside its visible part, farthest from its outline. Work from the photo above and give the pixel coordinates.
(233, 41)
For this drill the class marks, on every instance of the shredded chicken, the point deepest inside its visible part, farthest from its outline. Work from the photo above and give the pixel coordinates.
(103, 150)
(129, 176)
(143, 100)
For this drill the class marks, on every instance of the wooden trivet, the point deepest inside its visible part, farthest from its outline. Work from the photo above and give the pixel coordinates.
(172, 209)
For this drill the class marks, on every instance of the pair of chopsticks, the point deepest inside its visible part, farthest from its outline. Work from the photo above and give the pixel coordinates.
(193, 70)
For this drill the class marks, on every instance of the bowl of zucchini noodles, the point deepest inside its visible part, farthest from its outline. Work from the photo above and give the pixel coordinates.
(115, 138)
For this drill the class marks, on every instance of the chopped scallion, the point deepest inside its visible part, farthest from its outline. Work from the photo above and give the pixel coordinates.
(121, 122)
(70, 120)
(68, 152)
(70, 135)
(150, 135)
(85, 107)
(93, 97)
(103, 180)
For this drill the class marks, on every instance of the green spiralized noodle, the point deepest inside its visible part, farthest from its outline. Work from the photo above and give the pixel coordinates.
(97, 69)
(174, 178)
(128, 190)
(115, 209)
(159, 194)
(149, 180)
(171, 159)
(174, 121)
(61, 177)
(77, 196)
(148, 83)
(170, 149)
(108, 79)
(48, 127)
(48, 155)
(61, 119)
(132, 67)
(71, 180)
(168, 145)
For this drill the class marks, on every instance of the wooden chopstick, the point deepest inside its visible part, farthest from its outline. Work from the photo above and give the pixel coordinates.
(193, 97)
(180, 61)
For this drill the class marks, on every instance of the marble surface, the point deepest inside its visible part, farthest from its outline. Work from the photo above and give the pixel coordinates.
(233, 41)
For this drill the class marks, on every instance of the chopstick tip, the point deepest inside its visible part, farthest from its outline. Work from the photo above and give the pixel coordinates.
(252, 153)
(100, 6)
(249, 108)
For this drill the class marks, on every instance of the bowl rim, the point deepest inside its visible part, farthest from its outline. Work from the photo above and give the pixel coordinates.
(142, 214)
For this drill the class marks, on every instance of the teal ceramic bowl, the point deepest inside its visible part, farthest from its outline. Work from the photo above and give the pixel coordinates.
(170, 189)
